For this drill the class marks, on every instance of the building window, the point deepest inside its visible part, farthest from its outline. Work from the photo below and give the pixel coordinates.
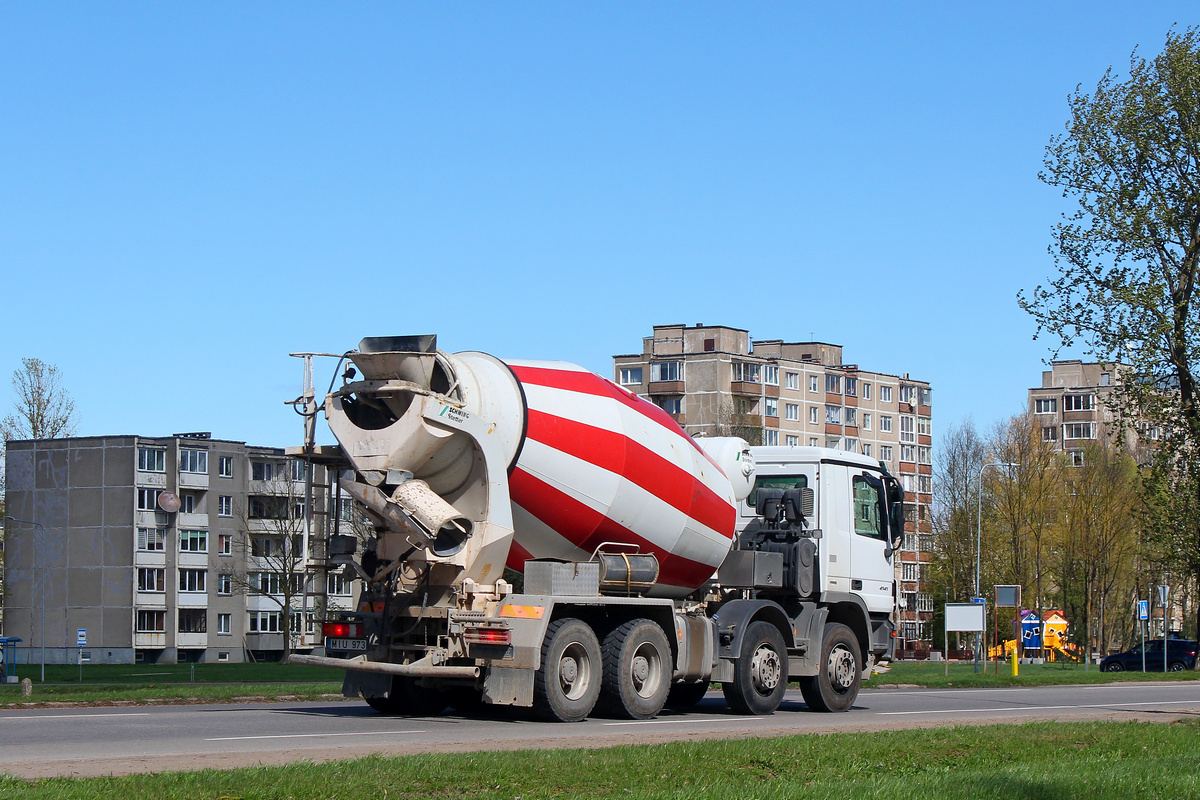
(264, 622)
(885, 394)
(771, 437)
(151, 621)
(192, 580)
(924, 426)
(630, 375)
(772, 407)
(851, 388)
(152, 580)
(224, 544)
(813, 383)
(1075, 457)
(833, 415)
(152, 540)
(193, 620)
(224, 625)
(850, 444)
(671, 405)
(1045, 406)
(907, 429)
(152, 459)
(187, 503)
(745, 372)
(792, 441)
(885, 452)
(1105, 379)
(833, 384)
(924, 455)
(193, 541)
(924, 601)
(792, 411)
(812, 441)
(885, 424)
(866, 422)
(192, 460)
(225, 506)
(224, 584)
(1079, 402)
(225, 466)
(666, 371)
(266, 582)
(866, 391)
(912, 571)
(338, 585)
(924, 396)
(866, 449)
(1079, 430)
(1050, 434)
(770, 375)
(147, 499)
(791, 380)
(908, 453)
(813, 415)
(851, 416)
(262, 470)
(906, 394)
(925, 484)
(299, 469)
(265, 547)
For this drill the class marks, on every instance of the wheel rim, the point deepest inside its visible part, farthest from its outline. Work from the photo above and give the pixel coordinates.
(766, 669)
(574, 671)
(841, 668)
(645, 670)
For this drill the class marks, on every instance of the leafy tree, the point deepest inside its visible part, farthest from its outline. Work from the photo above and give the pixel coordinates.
(1128, 254)
(44, 409)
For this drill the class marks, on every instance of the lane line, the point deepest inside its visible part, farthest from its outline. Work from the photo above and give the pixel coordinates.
(307, 735)
(1029, 708)
(73, 716)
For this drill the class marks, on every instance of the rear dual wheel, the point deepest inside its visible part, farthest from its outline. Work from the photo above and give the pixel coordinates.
(567, 684)
(637, 670)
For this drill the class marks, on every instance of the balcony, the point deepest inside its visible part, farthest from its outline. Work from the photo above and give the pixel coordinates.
(666, 387)
(193, 480)
(771, 422)
(150, 640)
(746, 388)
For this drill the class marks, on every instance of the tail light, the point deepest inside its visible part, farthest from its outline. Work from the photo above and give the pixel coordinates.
(487, 635)
(342, 630)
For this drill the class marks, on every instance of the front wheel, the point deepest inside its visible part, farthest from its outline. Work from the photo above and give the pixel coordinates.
(760, 673)
(1115, 666)
(567, 684)
(836, 686)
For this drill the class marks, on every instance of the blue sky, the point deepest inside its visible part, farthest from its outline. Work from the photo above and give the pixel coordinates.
(189, 192)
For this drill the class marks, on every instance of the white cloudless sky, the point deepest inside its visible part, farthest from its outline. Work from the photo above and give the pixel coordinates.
(189, 192)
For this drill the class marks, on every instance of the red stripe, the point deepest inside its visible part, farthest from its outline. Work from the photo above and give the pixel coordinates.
(623, 456)
(517, 556)
(587, 528)
(593, 384)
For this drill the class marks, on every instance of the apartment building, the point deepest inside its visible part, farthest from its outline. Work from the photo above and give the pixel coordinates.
(1074, 407)
(164, 549)
(716, 381)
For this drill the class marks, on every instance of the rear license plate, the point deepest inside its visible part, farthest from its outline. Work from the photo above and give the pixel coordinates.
(346, 644)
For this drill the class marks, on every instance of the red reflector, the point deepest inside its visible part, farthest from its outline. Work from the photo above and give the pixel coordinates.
(342, 630)
(501, 636)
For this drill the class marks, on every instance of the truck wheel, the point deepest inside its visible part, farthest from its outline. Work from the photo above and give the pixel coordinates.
(637, 670)
(835, 687)
(684, 696)
(408, 699)
(567, 684)
(760, 673)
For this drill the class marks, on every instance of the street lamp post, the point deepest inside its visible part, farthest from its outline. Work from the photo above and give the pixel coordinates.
(42, 558)
(979, 537)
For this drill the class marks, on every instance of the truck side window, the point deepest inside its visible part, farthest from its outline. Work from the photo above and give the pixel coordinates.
(867, 520)
(775, 482)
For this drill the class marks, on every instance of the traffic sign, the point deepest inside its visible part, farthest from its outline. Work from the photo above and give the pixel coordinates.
(980, 600)
(1143, 609)
(81, 637)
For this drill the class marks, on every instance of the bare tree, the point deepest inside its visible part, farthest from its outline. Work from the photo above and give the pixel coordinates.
(43, 408)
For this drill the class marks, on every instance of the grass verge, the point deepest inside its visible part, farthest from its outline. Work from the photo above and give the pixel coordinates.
(1037, 760)
(962, 675)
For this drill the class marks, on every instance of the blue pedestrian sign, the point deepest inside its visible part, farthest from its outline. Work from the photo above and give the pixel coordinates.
(81, 637)
(1143, 609)
(980, 600)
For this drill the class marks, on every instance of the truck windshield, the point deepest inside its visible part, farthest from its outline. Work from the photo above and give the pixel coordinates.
(776, 482)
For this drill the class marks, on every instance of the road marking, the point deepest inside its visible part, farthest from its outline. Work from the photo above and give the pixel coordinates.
(1029, 708)
(307, 735)
(683, 721)
(7, 718)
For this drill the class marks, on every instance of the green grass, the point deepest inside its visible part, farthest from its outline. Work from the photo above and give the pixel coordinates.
(962, 675)
(1038, 760)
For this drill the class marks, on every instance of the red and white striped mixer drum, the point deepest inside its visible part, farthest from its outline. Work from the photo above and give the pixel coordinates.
(600, 465)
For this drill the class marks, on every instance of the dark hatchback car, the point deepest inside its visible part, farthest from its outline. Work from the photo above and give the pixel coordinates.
(1181, 655)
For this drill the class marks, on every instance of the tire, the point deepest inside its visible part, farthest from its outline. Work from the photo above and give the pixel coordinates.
(1176, 666)
(760, 673)
(567, 684)
(1114, 666)
(408, 699)
(836, 686)
(684, 696)
(637, 671)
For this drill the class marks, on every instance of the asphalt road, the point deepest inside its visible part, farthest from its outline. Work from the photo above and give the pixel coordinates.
(102, 741)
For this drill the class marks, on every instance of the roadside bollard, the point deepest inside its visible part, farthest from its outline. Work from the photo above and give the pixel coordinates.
(1015, 663)
(26, 687)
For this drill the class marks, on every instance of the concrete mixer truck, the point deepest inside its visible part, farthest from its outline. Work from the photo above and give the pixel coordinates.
(653, 564)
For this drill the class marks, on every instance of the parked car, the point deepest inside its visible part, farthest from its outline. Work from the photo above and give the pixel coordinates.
(1181, 655)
